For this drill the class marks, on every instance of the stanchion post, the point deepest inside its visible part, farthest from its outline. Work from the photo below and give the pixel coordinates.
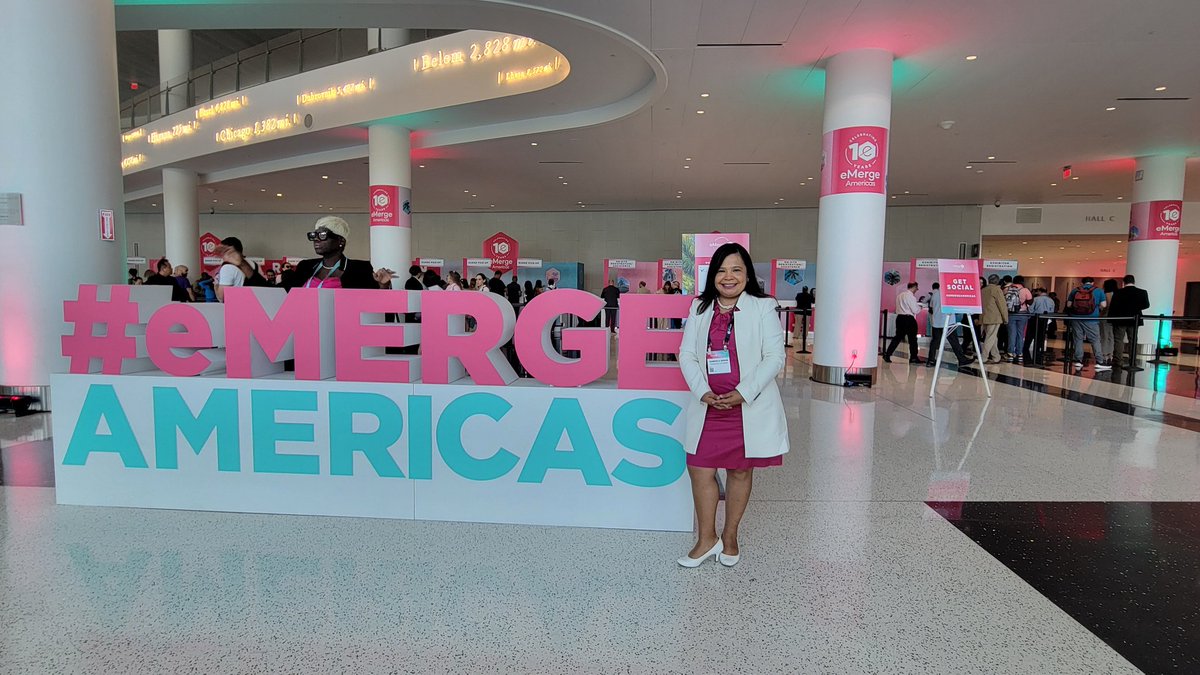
(1158, 342)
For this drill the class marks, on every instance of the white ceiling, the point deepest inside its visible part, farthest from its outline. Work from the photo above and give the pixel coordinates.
(1034, 99)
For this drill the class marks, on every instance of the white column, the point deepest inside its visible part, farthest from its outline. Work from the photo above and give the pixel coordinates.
(69, 168)
(858, 103)
(389, 151)
(1153, 255)
(181, 215)
(387, 38)
(174, 64)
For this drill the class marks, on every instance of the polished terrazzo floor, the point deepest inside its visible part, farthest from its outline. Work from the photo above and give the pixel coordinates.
(845, 569)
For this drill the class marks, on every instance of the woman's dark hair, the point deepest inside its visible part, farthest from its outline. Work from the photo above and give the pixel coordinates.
(233, 243)
(710, 282)
(1110, 285)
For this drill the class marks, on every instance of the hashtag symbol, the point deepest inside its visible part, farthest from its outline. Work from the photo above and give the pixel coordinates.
(89, 311)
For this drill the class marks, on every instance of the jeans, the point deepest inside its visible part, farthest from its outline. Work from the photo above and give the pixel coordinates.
(1017, 324)
(1089, 331)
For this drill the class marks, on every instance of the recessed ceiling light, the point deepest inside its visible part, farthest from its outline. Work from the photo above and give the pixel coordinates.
(1119, 240)
(679, 192)
(1074, 177)
(972, 57)
(1160, 89)
(687, 159)
(262, 189)
(1107, 250)
(686, 166)
(1120, 198)
(492, 205)
(324, 177)
(474, 195)
(978, 170)
(699, 112)
(991, 157)
(1024, 242)
(564, 182)
(420, 166)
(534, 143)
(583, 206)
(153, 204)
(970, 166)
(341, 182)
(809, 178)
(893, 196)
(1054, 185)
(278, 194)
(704, 95)
(678, 196)
(214, 201)
(906, 192)
(320, 206)
(231, 203)
(1062, 248)
(1110, 108)
(560, 177)
(331, 208)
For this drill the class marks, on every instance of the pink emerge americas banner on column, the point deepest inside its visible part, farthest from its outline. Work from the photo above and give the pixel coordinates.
(854, 159)
(960, 286)
(1155, 220)
(389, 206)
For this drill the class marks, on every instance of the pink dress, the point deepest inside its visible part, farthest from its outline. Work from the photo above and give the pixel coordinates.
(722, 445)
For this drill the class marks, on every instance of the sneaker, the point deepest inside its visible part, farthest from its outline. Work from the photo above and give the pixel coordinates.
(1103, 366)
(1079, 365)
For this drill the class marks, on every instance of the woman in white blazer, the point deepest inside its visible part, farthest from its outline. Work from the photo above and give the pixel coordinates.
(731, 351)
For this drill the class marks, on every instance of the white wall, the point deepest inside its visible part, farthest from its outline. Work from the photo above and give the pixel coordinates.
(587, 237)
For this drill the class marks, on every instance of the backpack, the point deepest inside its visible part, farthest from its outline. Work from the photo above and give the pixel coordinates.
(1083, 302)
(1012, 298)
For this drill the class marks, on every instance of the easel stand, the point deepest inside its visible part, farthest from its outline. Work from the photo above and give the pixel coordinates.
(946, 328)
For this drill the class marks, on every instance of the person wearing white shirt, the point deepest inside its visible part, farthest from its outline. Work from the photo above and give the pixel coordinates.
(907, 310)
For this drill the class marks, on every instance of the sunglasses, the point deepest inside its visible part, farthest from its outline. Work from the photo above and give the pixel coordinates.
(320, 235)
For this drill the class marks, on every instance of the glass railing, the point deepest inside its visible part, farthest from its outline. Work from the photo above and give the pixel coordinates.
(287, 55)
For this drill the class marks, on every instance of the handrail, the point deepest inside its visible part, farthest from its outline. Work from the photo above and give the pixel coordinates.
(147, 107)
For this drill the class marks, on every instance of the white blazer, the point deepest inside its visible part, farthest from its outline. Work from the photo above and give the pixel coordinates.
(760, 353)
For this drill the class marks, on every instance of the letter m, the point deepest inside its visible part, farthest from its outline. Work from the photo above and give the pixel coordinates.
(173, 417)
(299, 326)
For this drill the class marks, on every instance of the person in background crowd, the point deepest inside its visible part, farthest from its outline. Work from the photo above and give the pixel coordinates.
(1042, 305)
(937, 327)
(479, 282)
(332, 269)
(551, 284)
(146, 275)
(235, 269)
(496, 283)
(181, 279)
(907, 311)
(134, 278)
(537, 288)
(1002, 338)
(804, 300)
(272, 279)
(528, 291)
(1017, 299)
(730, 354)
(1127, 301)
(1087, 301)
(995, 313)
(163, 277)
(1106, 328)
(1051, 324)
(612, 301)
(453, 281)
(207, 287)
(513, 290)
(433, 281)
(643, 288)
(413, 282)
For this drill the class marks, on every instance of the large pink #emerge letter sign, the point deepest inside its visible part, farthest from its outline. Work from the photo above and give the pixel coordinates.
(354, 336)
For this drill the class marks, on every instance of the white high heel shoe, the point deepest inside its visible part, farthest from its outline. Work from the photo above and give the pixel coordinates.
(715, 551)
(728, 560)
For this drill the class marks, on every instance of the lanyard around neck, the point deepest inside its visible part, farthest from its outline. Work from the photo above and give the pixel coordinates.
(321, 266)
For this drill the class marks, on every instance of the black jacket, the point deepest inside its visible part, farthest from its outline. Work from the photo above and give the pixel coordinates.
(1128, 301)
(358, 274)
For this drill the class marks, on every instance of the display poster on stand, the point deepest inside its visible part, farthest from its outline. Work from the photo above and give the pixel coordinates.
(697, 253)
(959, 280)
(627, 275)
